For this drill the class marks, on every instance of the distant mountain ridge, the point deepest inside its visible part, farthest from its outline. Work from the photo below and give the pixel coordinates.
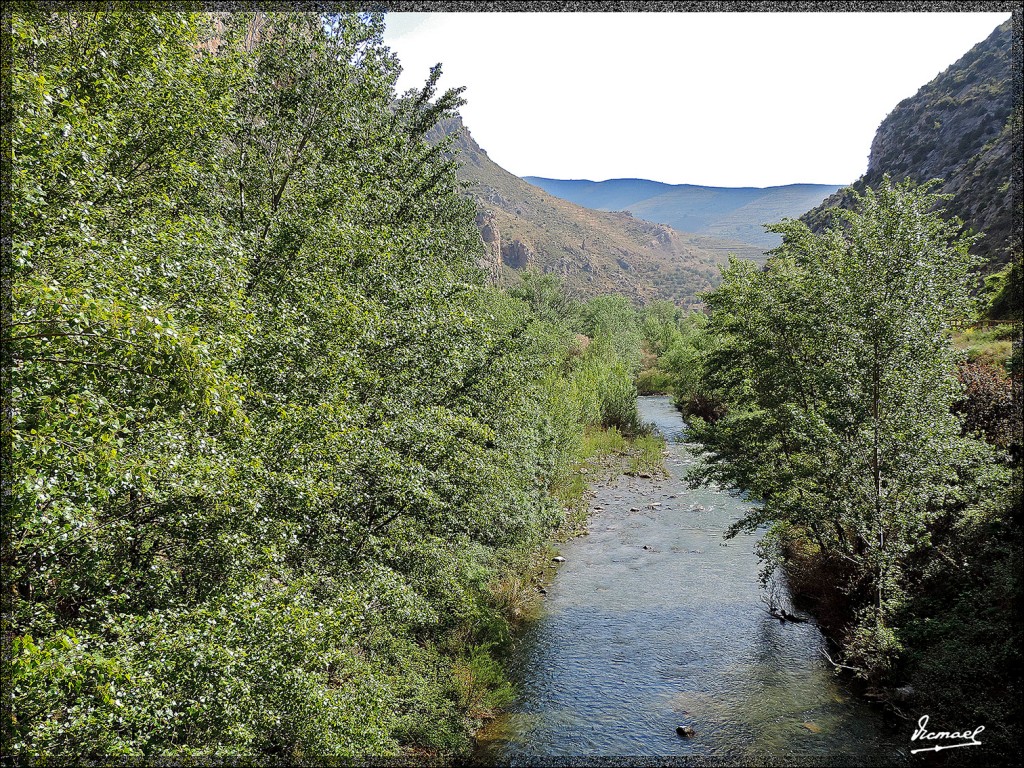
(959, 127)
(595, 252)
(736, 213)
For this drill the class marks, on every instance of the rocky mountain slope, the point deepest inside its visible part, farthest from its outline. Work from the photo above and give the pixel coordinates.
(960, 128)
(595, 252)
(732, 212)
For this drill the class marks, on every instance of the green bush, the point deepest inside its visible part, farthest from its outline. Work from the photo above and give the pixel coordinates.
(653, 381)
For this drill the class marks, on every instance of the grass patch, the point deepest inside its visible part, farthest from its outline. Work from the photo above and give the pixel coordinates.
(992, 346)
(606, 453)
(515, 595)
(647, 455)
(599, 442)
(481, 685)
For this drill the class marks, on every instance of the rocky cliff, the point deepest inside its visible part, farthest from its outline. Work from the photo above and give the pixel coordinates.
(961, 128)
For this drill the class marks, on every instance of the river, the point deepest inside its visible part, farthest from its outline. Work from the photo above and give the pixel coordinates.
(655, 621)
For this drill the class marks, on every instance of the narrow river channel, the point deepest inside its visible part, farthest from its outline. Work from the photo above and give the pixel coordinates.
(656, 621)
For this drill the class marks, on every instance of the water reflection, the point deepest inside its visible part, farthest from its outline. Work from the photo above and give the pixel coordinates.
(636, 641)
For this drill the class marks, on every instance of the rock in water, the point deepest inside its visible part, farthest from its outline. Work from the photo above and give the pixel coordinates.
(686, 731)
(558, 559)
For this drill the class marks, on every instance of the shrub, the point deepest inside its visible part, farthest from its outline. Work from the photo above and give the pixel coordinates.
(986, 405)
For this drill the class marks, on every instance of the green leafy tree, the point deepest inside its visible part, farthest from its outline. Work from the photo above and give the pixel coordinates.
(839, 379)
(547, 298)
(125, 306)
(660, 326)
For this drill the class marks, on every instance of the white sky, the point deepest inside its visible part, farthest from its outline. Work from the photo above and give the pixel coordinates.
(720, 99)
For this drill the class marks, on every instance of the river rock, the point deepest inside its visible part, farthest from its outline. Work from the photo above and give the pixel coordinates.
(904, 693)
(686, 731)
(634, 509)
(558, 559)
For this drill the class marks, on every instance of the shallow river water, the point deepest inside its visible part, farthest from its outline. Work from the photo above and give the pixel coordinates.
(656, 621)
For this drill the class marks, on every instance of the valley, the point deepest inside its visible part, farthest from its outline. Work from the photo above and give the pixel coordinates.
(328, 440)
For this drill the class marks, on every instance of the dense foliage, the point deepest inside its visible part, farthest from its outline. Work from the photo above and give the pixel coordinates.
(845, 416)
(274, 438)
(677, 346)
(1003, 293)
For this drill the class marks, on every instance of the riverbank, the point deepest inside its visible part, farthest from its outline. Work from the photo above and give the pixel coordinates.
(518, 594)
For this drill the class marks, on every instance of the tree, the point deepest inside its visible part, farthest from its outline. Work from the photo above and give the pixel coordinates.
(839, 379)
(547, 298)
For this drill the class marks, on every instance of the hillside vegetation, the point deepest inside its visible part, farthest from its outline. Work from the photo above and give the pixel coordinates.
(593, 251)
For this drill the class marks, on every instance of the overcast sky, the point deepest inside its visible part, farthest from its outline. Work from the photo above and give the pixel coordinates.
(720, 99)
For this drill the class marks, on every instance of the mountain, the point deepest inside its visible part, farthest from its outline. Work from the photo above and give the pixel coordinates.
(595, 252)
(736, 213)
(960, 128)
